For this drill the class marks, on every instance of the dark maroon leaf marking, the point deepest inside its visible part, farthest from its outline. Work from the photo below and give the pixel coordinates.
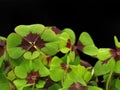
(69, 45)
(6, 64)
(33, 77)
(106, 61)
(80, 46)
(48, 81)
(66, 67)
(115, 53)
(40, 43)
(117, 56)
(85, 64)
(56, 30)
(48, 59)
(77, 86)
(31, 41)
(2, 47)
(25, 44)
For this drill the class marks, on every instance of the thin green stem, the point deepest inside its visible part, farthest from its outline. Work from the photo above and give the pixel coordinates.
(33, 87)
(109, 81)
(65, 74)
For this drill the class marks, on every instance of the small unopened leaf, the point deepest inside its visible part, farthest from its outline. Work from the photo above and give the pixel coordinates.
(117, 43)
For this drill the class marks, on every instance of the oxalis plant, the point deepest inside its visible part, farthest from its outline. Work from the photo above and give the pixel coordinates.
(38, 57)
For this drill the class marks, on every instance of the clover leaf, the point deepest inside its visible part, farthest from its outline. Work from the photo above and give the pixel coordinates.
(69, 74)
(64, 38)
(29, 69)
(102, 68)
(32, 38)
(56, 72)
(104, 53)
(24, 30)
(30, 60)
(13, 41)
(86, 44)
(71, 34)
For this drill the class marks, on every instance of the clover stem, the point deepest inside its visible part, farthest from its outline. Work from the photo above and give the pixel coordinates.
(65, 74)
(33, 87)
(109, 80)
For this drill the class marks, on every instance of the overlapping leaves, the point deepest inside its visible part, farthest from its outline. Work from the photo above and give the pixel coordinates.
(29, 69)
(32, 53)
(31, 40)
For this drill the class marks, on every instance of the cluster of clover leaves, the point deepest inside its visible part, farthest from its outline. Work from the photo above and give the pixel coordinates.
(29, 60)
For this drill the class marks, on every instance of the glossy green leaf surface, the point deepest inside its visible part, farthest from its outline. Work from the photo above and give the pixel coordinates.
(86, 39)
(90, 50)
(101, 68)
(104, 53)
(56, 72)
(71, 34)
(24, 30)
(117, 43)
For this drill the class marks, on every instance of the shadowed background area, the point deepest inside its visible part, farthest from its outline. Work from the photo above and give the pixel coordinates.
(101, 21)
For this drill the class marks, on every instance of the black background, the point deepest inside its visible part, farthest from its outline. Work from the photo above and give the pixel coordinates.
(101, 21)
